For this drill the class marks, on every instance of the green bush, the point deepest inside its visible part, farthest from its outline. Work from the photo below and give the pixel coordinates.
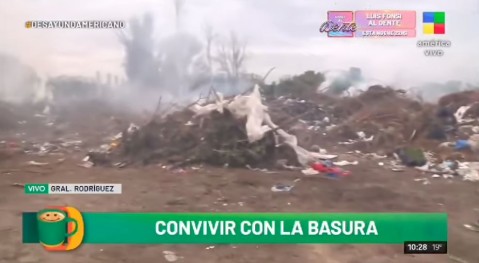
(300, 86)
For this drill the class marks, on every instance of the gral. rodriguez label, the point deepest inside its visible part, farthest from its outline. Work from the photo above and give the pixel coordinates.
(73, 189)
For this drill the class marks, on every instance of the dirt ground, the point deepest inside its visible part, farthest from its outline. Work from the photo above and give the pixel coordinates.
(371, 188)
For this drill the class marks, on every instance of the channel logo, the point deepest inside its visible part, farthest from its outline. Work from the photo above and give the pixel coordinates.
(434, 23)
(59, 228)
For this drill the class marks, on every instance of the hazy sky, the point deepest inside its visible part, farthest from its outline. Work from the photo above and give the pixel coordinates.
(280, 33)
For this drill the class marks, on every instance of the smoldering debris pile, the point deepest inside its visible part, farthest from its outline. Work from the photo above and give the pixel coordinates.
(456, 100)
(216, 139)
(234, 132)
(388, 118)
(240, 131)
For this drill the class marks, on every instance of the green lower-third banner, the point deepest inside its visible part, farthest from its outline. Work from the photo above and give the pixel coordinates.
(58, 226)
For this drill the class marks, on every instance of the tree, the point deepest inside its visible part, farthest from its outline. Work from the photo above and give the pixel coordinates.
(230, 57)
(210, 36)
(141, 64)
(202, 73)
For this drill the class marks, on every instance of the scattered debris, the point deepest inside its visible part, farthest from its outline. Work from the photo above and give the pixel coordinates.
(170, 256)
(457, 259)
(329, 169)
(424, 181)
(120, 164)
(469, 171)
(375, 156)
(411, 156)
(264, 170)
(446, 145)
(309, 171)
(35, 163)
(462, 145)
(460, 113)
(344, 163)
(281, 188)
(362, 136)
(472, 228)
(87, 164)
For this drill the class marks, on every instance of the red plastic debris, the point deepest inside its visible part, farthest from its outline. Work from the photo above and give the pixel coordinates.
(330, 170)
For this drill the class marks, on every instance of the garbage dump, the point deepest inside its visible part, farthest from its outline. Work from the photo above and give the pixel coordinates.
(247, 131)
(383, 118)
(234, 132)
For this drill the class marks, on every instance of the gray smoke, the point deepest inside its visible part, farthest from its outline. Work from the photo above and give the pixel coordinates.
(179, 66)
(18, 82)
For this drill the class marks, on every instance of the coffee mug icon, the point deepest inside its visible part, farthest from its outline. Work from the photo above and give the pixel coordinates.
(53, 227)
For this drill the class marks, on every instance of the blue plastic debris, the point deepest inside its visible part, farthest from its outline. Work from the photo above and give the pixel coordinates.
(462, 145)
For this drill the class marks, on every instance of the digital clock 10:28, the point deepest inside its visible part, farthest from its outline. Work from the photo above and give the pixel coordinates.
(425, 247)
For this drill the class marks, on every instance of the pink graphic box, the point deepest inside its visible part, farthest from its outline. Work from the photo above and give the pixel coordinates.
(340, 17)
(380, 18)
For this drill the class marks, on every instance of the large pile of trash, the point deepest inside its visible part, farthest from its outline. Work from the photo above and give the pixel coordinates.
(386, 119)
(234, 132)
(216, 138)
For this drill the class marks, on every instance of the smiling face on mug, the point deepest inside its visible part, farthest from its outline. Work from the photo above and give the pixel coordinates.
(52, 216)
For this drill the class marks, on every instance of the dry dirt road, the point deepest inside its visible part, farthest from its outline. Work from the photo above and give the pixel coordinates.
(370, 189)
